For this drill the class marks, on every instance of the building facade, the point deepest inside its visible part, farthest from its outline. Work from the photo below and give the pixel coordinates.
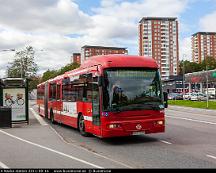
(200, 81)
(203, 45)
(158, 38)
(175, 84)
(76, 58)
(88, 51)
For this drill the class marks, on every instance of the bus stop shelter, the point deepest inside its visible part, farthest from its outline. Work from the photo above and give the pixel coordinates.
(14, 95)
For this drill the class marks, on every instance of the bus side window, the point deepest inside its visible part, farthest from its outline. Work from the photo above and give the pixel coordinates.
(58, 94)
(83, 88)
(40, 92)
(68, 93)
(52, 92)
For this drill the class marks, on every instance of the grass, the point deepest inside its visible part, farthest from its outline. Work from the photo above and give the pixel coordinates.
(193, 104)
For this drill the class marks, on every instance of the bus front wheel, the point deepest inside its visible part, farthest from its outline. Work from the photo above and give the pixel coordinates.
(81, 126)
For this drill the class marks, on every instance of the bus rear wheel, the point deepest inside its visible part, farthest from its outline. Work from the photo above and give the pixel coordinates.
(81, 126)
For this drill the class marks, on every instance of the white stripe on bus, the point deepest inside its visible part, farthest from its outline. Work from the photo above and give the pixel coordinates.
(87, 118)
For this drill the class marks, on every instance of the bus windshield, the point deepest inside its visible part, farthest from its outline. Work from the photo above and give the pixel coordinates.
(132, 89)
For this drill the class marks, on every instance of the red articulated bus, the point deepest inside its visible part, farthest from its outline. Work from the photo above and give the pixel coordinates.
(107, 96)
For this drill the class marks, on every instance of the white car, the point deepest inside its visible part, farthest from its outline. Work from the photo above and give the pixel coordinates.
(187, 96)
(198, 97)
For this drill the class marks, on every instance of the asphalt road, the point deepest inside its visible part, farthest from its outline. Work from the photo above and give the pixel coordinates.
(189, 142)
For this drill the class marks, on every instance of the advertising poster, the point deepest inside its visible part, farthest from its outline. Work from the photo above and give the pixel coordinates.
(15, 98)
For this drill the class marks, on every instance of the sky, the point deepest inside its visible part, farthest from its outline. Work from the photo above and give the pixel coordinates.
(58, 28)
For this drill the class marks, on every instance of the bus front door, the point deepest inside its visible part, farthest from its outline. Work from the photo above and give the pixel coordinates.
(96, 109)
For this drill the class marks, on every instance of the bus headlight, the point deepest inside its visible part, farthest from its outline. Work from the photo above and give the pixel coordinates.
(160, 122)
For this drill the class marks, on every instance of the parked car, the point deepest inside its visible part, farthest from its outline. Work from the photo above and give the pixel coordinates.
(175, 96)
(198, 97)
(187, 96)
(212, 96)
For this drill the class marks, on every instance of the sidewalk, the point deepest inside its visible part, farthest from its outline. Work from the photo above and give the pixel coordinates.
(193, 110)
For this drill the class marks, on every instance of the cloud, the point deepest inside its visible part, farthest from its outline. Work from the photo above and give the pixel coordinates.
(56, 49)
(60, 28)
(62, 16)
(185, 49)
(120, 19)
(208, 22)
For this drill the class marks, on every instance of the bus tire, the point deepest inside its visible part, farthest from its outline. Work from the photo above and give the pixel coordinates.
(52, 117)
(81, 126)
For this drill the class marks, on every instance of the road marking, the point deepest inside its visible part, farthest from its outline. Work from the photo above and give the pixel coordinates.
(194, 120)
(196, 114)
(52, 150)
(120, 163)
(213, 157)
(190, 109)
(169, 143)
(40, 120)
(2, 165)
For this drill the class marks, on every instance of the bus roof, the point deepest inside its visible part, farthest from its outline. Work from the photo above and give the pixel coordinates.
(115, 60)
(109, 61)
(120, 60)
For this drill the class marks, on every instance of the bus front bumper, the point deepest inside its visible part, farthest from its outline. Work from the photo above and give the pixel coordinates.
(115, 129)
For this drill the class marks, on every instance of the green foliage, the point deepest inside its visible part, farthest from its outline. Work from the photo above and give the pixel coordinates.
(23, 65)
(193, 104)
(49, 74)
(209, 63)
(189, 67)
(53, 73)
(68, 67)
(33, 82)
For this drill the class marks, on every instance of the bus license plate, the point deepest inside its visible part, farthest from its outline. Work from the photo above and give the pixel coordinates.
(138, 133)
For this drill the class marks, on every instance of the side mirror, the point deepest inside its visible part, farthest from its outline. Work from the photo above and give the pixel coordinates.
(165, 94)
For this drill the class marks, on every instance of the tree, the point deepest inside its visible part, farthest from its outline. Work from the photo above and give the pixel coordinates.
(209, 63)
(33, 82)
(68, 67)
(190, 67)
(53, 73)
(23, 65)
(49, 74)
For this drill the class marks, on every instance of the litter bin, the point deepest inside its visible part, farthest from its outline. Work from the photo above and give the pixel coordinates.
(5, 116)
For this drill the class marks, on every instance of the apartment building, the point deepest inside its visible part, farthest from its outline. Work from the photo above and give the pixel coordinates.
(203, 45)
(76, 58)
(88, 51)
(158, 38)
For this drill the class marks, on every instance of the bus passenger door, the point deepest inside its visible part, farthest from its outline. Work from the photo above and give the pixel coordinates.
(96, 107)
(46, 97)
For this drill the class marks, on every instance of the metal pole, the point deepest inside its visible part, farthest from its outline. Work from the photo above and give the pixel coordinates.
(207, 100)
(183, 76)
